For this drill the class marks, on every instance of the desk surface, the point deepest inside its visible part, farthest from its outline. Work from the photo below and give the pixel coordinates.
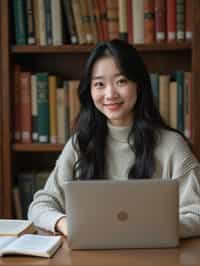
(187, 254)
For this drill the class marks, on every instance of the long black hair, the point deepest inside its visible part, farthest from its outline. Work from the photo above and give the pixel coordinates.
(91, 129)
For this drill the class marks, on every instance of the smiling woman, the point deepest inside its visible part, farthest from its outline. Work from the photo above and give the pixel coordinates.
(120, 135)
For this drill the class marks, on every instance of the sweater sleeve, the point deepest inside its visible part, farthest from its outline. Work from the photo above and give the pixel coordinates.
(186, 169)
(49, 203)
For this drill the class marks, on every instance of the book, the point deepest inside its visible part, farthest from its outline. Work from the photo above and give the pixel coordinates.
(15, 227)
(32, 245)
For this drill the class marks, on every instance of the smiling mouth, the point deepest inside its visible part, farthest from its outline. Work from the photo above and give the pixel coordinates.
(113, 106)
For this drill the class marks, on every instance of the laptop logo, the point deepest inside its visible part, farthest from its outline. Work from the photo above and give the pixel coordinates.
(122, 216)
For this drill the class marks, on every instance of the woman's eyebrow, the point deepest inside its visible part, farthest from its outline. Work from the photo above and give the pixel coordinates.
(101, 77)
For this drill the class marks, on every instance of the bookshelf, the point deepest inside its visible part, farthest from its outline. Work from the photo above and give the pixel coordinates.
(68, 61)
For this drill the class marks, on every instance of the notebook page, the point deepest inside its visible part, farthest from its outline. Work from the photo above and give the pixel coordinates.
(34, 243)
(5, 241)
(12, 226)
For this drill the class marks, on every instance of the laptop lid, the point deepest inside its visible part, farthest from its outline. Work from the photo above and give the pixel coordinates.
(111, 214)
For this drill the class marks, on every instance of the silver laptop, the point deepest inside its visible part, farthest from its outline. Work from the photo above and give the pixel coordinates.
(122, 214)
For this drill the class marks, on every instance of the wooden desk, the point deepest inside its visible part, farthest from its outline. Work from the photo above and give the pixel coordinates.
(187, 254)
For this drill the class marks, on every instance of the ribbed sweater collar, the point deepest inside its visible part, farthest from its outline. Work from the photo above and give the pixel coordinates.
(118, 133)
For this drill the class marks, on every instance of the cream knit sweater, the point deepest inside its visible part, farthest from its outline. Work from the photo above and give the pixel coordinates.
(173, 160)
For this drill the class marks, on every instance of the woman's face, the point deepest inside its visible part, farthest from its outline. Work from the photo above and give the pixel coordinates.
(112, 93)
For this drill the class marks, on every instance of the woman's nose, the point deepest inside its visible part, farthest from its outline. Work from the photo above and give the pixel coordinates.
(111, 92)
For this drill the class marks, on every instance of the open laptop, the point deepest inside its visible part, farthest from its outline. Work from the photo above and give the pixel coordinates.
(112, 214)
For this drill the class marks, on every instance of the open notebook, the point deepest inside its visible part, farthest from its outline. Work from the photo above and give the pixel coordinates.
(32, 245)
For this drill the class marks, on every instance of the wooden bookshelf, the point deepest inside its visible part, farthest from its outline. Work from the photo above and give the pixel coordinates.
(68, 61)
(177, 46)
(37, 147)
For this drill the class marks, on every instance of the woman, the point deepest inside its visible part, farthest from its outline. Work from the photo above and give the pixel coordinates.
(119, 135)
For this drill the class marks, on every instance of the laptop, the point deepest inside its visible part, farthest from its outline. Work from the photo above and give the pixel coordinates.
(110, 214)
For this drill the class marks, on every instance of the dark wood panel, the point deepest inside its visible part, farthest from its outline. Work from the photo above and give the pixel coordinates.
(37, 147)
(5, 95)
(196, 79)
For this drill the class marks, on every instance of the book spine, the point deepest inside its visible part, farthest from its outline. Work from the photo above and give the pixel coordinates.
(138, 21)
(48, 21)
(36, 21)
(171, 20)
(26, 184)
(103, 18)
(92, 20)
(180, 19)
(180, 93)
(30, 22)
(149, 21)
(53, 110)
(74, 105)
(188, 105)
(154, 78)
(112, 19)
(43, 107)
(164, 97)
(34, 108)
(160, 18)
(173, 104)
(66, 107)
(56, 22)
(41, 22)
(25, 107)
(123, 29)
(86, 21)
(17, 118)
(188, 19)
(129, 21)
(19, 21)
(70, 21)
(76, 8)
(61, 112)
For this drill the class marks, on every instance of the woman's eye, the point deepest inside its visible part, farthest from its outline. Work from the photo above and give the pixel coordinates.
(122, 81)
(98, 84)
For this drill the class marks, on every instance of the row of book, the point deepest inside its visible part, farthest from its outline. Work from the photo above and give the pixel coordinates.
(50, 22)
(27, 183)
(172, 93)
(45, 107)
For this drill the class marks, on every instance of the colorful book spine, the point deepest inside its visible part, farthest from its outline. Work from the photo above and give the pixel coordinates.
(17, 117)
(123, 29)
(19, 22)
(130, 21)
(171, 20)
(160, 20)
(180, 19)
(43, 107)
(86, 21)
(34, 108)
(173, 101)
(25, 107)
(48, 21)
(154, 78)
(164, 97)
(138, 21)
(112, 19)
(92, 20)
(76, 9)
(53, 135)
(149, 21)
(68, 15)
(188, 19)
(57, 33)
(30, 22)
(180, 97)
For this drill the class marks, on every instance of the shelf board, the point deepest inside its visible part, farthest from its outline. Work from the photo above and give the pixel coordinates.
(29, 49)
(37, 147)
